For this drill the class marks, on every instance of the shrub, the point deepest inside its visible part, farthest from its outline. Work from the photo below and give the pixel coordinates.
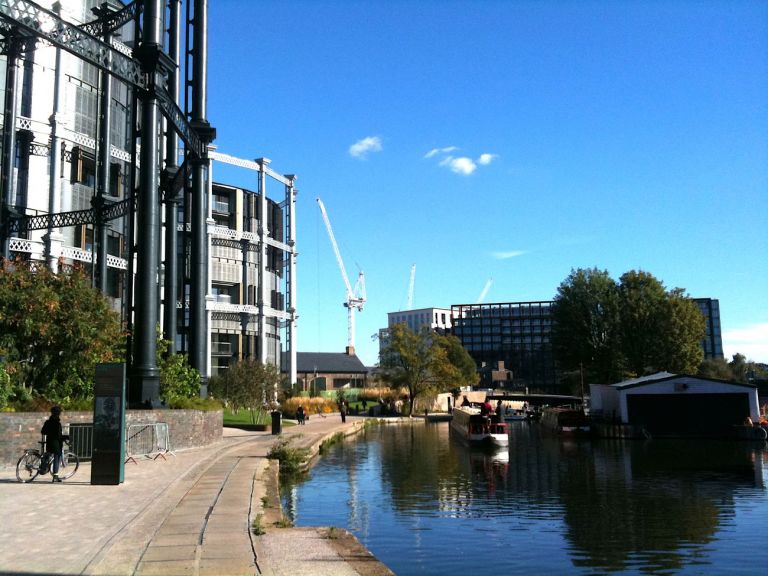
(292, 460)
(311, 406)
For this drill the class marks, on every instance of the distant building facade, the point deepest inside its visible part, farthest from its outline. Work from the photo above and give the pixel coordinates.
(436, 319)
(516, 334)
(713, 340)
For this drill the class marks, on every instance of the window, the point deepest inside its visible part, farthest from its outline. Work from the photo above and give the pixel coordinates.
(83, 168)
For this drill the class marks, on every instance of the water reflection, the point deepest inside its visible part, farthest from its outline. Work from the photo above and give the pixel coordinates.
(420, 500)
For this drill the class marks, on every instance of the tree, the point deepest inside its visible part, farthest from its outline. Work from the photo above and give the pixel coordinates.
(683, 329)
(423, 362)
(716, 368)
(642, 301)
(660, 329)
(635, 327)
(585, 332)
(54, 330)
(455, 368)
(247, 384)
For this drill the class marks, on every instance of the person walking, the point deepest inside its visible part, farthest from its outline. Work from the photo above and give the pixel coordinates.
(343, 411)
(54, 440)
(300, 415)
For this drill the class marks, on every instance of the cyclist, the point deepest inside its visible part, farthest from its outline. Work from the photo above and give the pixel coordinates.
(54, 440)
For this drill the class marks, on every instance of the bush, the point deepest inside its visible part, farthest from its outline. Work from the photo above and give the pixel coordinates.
(196, 403)
(5, 387)
(292, 460)
(311, 406)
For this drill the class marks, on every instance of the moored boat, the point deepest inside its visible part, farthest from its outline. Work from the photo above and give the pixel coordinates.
(566, 421)
(477, 429)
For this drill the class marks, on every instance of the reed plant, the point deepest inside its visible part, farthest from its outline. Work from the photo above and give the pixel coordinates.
(311, 406)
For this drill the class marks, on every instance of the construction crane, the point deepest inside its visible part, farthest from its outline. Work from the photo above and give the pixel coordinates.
(484, 293)
(410, 287)
(355, 296)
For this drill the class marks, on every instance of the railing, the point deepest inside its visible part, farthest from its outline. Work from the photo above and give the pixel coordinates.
(81, 440)
(150, 441)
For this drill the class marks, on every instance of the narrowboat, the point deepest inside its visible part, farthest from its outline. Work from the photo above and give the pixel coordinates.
(476, 429)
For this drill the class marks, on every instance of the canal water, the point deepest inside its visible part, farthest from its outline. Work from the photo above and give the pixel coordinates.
(424, 503)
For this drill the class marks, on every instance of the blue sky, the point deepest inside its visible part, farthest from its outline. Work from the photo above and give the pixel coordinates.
(512, 140)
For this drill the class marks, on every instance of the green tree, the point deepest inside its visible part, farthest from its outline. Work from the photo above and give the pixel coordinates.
(5, 387)
(660, 329)
(738, 367)
(642, 301)
(683, 329)
(585, 332)
(716, 368)
(423, 363)
(54, 330)
(454, 367)
(247, 384)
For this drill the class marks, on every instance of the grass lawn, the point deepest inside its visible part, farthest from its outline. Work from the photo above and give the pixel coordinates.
(242, 418)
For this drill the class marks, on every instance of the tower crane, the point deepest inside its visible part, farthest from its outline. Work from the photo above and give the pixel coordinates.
(355, 296)
(410, 287)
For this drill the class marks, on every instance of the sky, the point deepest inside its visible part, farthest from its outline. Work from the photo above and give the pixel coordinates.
(504, 141)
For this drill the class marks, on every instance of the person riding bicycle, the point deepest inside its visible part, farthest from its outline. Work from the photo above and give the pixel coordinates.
(54, 439)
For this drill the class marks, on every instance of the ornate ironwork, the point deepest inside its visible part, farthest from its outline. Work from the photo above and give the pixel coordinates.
(175, 116)
(44, 24)
(112, 21)
(23, 223)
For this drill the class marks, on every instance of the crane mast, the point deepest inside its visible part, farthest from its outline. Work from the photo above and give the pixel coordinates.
(356, 296)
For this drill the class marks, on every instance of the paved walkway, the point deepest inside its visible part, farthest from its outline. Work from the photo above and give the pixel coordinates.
(190, 514)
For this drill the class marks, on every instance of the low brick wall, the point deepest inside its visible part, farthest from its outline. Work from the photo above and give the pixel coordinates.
(187, 428)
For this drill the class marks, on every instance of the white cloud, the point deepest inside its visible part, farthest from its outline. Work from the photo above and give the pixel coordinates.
(751, 341)
(486, 159)
(361, 148)
(460, 165)
(436, 151)
(508, 254)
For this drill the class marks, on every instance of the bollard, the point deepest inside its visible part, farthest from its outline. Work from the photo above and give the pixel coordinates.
(276, 422)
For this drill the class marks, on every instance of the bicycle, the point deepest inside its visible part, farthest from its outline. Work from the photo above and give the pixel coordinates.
(35, 462)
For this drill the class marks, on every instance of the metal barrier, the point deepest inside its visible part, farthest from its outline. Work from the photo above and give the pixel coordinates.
(148, 441)
(81, 440)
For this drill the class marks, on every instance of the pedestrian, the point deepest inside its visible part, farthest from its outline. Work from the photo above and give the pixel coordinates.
(343, 411)
(54, 440)
(300, 415)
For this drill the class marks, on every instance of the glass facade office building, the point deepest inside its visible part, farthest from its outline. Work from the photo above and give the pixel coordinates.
(517, 333)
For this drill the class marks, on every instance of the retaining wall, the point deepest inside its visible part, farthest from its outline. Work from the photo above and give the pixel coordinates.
(187, 428)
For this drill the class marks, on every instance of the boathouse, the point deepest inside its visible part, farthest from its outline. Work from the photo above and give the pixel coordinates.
(671, 405)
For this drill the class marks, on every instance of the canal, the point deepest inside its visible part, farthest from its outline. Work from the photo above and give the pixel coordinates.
(424, 503)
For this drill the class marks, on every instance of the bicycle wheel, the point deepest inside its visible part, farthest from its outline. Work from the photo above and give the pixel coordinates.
(28, 466)
(69, 465)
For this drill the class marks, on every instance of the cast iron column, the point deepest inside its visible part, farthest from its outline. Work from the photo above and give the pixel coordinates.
(9, 141)
(105, 157)
(170, 314)
(145, 377)
(198, 316)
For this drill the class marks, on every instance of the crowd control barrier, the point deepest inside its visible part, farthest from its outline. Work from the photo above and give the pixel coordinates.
(150, 441)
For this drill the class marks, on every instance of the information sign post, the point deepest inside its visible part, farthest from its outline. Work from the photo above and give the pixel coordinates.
(108, 465)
